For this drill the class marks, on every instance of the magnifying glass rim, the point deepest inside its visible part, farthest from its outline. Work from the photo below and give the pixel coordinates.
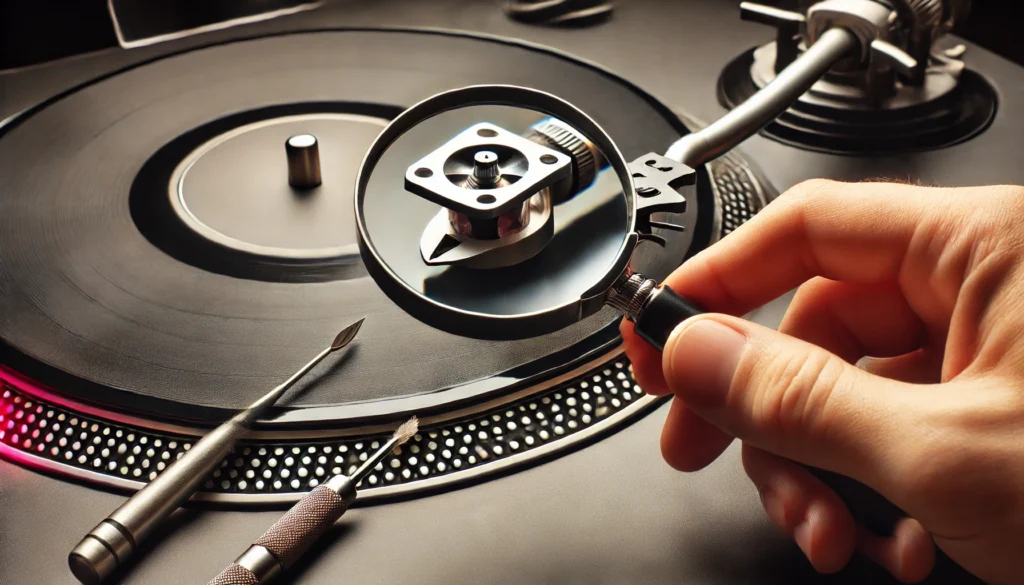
(484, 325)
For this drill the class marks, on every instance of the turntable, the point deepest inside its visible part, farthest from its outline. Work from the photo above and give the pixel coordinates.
(181, 226)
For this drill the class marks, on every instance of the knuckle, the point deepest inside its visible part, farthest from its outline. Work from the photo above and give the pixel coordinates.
(810, 190)
(812, 187)
(792, 392)
(983, 208)
(809, 295)
(977, 226)
(1001, 215)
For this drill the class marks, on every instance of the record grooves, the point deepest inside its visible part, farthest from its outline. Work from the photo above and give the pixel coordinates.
(111, 310)
(134, 326)
(160, 269)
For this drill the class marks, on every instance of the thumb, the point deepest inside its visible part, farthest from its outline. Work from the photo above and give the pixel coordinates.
(787, 396)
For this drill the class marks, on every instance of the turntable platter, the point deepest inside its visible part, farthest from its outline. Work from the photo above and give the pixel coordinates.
(101, 297)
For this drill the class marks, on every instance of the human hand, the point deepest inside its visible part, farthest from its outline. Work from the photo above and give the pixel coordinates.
(899, 363)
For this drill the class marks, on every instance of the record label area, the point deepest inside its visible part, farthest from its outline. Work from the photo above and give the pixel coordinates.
(234, 190)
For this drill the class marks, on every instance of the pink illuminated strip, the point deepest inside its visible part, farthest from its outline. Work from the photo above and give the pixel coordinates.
(33, 388)
(18, 426)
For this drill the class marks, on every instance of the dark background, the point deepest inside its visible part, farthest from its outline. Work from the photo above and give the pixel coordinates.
(33, 31)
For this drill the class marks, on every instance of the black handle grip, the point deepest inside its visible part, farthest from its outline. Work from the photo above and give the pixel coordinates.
(662, 313)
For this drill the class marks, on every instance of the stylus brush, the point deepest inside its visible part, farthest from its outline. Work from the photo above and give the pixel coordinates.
(117, 537)
(291, 536)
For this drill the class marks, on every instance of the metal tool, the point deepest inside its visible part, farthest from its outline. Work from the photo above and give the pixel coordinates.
(110, 544)
(291, 536)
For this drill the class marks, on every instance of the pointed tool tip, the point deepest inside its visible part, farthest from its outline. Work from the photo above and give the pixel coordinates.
(347, 335)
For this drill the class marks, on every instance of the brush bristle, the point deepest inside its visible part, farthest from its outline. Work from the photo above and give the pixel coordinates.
(407, 430)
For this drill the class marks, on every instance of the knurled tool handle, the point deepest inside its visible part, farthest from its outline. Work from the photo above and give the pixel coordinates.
(287, 540)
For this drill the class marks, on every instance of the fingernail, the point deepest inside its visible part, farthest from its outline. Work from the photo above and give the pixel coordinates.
(772, 506)
(764, 493)
(700, 360)
(802, 534)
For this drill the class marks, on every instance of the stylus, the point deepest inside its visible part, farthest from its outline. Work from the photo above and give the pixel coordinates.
(110, 544)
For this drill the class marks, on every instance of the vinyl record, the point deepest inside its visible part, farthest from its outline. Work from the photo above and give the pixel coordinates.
(107, 294)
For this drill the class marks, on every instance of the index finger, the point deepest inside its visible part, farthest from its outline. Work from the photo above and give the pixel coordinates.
(854, 232)
(857, 232)
(841, 231)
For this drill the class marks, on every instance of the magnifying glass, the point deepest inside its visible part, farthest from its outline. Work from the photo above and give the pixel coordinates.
(501, 212)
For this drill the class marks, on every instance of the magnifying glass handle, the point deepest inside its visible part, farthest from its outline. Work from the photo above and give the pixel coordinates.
(662, 313)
